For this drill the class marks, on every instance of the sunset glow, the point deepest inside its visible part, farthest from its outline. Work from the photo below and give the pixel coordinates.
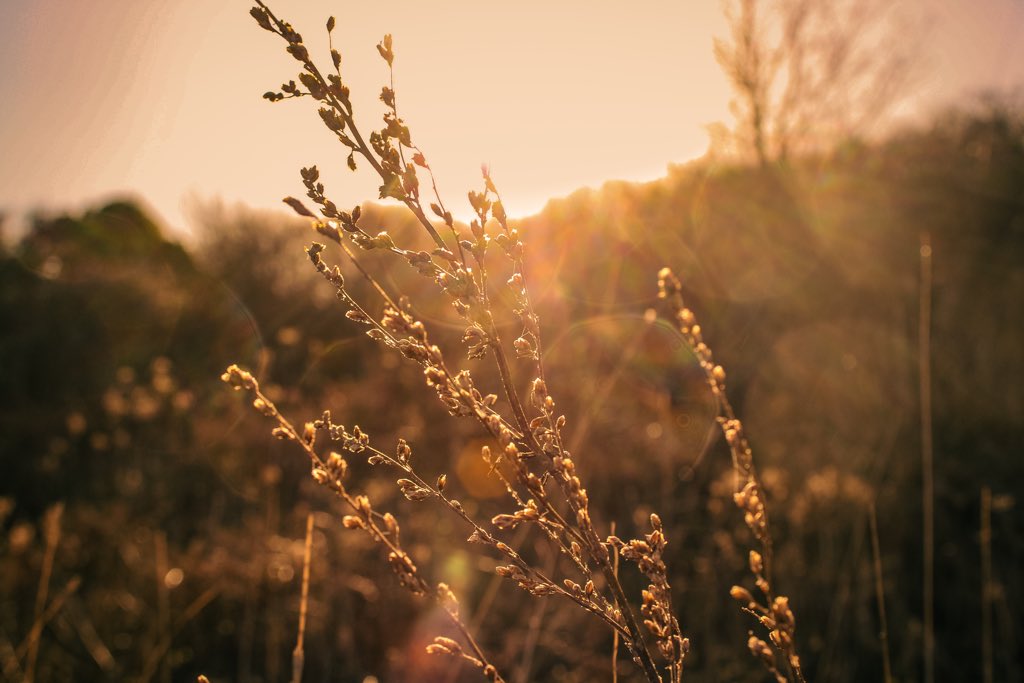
(552, 342)
(162, 101)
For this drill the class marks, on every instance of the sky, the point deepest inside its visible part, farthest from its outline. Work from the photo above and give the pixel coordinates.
(162, 100)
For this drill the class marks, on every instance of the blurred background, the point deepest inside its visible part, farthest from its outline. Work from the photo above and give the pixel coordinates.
(824, 177)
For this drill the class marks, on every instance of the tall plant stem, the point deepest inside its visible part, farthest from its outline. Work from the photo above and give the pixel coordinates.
(299, 653)
(986, 585)
(883, 626)
(927, 455)
(639, 646)
(615, 635)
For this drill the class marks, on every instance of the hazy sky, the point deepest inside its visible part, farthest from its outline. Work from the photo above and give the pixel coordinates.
(161, 100)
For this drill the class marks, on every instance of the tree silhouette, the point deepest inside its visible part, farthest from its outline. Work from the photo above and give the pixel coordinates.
(807, 73)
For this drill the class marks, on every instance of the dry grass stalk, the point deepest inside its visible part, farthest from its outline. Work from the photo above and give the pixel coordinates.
(883, 633)
(90, 638)
(924, 355)
(615, 636)
(773, 613)
(987, 586)
(299, 653)
(163, 599)
(31, 642)
(51, 531)
(529, 452)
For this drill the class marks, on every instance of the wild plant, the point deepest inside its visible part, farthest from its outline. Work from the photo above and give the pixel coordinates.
(528, 452)
(774, 614)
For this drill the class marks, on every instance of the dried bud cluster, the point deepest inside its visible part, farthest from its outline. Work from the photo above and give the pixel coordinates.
(529, 457)
(330, 471)
(528, 513)
(355, 441)
(239, 379)
(659, 618)
(774, 614)
(404, 568)
(763, 653)
(777, 618)
(444, 646)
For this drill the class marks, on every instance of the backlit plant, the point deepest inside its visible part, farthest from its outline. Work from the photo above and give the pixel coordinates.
(527, 449)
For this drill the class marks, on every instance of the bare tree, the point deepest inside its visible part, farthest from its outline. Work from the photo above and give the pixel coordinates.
(807, 73)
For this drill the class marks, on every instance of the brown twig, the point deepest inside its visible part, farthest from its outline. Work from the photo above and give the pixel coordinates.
(163, 598)
(299, 654)
(927, 456)
(52, 531)
(615, 635)
(32, 639)
(883, 631)
(987, 587)
(90, 638)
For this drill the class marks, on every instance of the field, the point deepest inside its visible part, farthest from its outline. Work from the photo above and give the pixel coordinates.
(758, 419)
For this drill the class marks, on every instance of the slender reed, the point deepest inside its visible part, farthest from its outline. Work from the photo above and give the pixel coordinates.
(163, 598)
(774, 614)
(51, 531)
(924, 355)
(299, 653)
(987, 592)
(615, 635)
(31, 642)
(883, 631)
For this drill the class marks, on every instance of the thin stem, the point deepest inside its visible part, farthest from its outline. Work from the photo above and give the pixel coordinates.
(639, 646)
(750, 496)
(52, 530)
(299, 654)
(927, 456)
(883, 633)
(533, 635)
(987, 592)
(615, 636)
(361, 146)
(32, 639)
(444, 209)
(729, 413)
(490, 540)
(523, 422)
(163, 598)
(548, 508)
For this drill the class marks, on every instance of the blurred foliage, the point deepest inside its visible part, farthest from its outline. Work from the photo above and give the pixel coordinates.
(183, 518)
